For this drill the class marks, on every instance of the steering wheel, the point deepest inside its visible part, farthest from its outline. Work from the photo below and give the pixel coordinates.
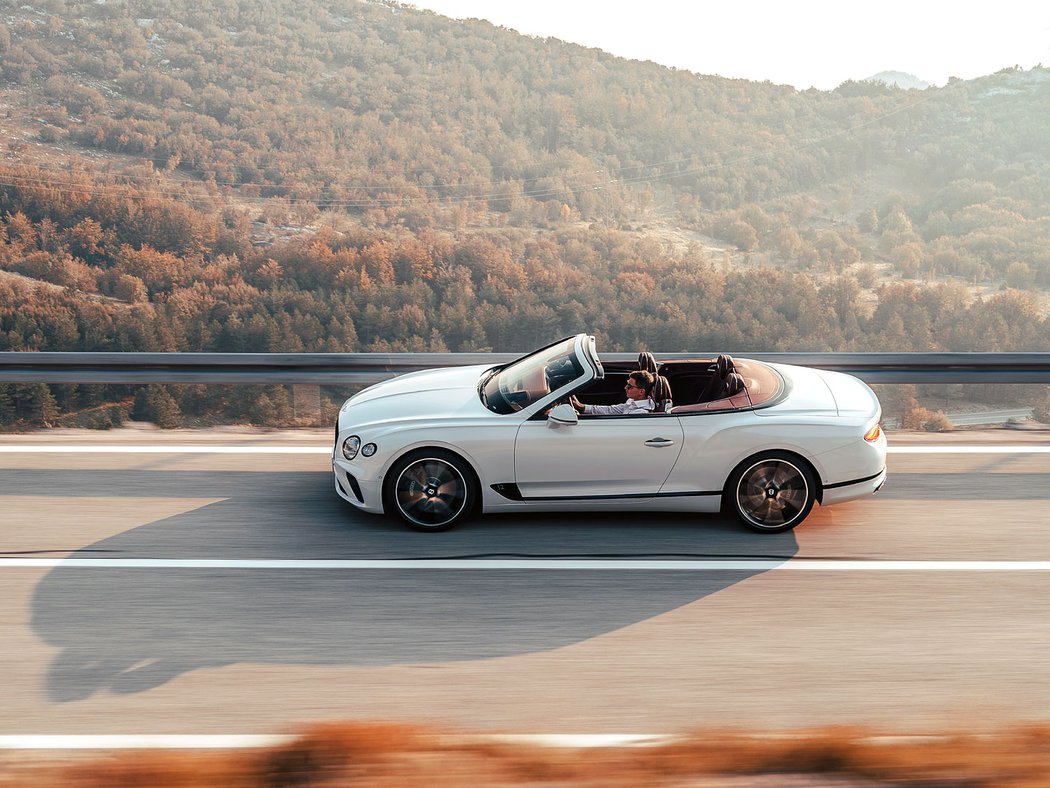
(558, 373)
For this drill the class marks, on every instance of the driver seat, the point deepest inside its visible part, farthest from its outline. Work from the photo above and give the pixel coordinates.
(661, 395)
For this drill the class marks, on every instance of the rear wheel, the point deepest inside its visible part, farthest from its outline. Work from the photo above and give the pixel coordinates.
(430, 490)
(771, 492)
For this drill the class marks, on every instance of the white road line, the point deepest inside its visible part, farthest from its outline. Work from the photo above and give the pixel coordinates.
(241, 741)
(179, 741)
(1025, 449)
(533, 564)
(141, 741)
(174, 449)
(581, 740)
(59, 448)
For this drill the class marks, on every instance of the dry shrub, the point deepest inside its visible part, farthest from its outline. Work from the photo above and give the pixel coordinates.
(157, 770)
(920, 418)
(523, 764)
(819, 752)
(824, 752)
(343, 749)
(1019, 759)
(937, 422)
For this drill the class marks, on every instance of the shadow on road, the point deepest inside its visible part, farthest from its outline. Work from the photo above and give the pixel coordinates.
(129, 630)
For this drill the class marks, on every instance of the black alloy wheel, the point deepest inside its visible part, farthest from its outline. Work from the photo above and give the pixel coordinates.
(771, 492)
(430, 490)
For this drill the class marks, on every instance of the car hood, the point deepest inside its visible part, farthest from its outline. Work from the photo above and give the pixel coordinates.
(434, 393)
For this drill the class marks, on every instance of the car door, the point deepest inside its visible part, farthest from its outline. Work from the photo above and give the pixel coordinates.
(599, 457)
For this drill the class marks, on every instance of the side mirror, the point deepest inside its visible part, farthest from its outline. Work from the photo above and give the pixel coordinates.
(564, 414)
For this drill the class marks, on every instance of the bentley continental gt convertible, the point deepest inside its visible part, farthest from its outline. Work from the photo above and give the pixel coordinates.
(764, 442)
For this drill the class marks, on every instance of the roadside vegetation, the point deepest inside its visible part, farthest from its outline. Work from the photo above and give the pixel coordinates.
(381, 755)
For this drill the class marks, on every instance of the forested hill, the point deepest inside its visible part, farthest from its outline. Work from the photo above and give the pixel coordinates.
(284, 176)
(404, 116)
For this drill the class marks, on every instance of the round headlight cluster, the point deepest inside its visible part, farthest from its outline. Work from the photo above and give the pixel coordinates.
(351, 446)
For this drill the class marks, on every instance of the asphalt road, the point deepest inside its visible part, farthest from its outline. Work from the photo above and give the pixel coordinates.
(260, 650)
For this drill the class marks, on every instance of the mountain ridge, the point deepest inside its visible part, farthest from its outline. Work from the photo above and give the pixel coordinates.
(899, 79)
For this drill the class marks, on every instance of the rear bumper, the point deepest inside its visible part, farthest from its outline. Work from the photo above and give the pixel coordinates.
(851, 490)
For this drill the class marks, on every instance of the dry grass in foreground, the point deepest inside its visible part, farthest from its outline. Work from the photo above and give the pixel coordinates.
(399, 755)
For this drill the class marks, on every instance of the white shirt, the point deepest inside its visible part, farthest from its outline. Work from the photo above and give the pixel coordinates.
(629, 408)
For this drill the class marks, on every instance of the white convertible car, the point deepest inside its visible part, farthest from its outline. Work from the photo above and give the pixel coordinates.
(763, 441)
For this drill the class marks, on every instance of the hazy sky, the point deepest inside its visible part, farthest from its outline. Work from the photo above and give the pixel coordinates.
(805, 43)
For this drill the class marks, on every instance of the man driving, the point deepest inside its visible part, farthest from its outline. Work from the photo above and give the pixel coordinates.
(638, 388)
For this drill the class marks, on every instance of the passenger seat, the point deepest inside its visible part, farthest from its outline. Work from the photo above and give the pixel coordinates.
(720, 371)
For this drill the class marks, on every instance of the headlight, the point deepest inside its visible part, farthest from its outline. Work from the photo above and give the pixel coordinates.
(368, 450)
(351, 446)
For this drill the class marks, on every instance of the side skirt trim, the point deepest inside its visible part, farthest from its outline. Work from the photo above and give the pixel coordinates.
(854, 481)
(512, 492)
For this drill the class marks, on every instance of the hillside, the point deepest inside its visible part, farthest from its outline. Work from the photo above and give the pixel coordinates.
(271, 176)
(399, 117)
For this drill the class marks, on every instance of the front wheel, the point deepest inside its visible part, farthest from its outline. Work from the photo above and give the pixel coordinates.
(430, 490)
(771, 492)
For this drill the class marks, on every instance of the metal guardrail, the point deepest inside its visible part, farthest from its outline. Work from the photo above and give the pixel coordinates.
(366, 368)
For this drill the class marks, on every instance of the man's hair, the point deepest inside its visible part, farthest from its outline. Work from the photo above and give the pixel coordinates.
(643, 378)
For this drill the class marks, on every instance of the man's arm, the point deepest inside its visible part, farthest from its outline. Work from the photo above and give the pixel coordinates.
(606, 410)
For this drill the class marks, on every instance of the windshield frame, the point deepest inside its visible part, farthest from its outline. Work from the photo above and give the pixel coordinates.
(523, 385)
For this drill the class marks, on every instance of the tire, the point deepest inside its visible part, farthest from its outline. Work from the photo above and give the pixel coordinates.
(430, 490)
(771, 492)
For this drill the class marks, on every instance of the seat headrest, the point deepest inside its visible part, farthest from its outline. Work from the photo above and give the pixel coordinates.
(647, 361)
(734, 384)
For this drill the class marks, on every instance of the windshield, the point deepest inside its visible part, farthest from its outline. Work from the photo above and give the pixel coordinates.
(529, 379)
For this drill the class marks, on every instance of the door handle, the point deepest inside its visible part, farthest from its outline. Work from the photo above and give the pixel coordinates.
(659, 442)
